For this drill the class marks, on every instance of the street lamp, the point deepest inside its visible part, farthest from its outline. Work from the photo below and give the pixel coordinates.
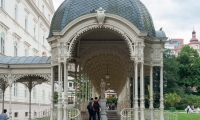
(107, 76)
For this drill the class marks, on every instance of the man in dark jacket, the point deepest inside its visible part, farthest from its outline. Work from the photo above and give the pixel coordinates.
(96, 108)
(90, 109)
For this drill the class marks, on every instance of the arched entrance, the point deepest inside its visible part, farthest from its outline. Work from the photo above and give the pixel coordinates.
(101, 44)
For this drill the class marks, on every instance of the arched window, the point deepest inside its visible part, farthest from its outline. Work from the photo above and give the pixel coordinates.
(26, 52)
(2, 47)
(26, 23)
(15, 49)
(16, 12)
(3, 4)
(34, 93)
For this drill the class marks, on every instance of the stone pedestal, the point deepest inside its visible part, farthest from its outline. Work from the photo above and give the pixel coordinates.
(103, 109)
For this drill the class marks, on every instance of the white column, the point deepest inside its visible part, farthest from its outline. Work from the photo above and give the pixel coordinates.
(75, 84)
(151, 92)
(65, 90)
(86, 91)
(142, 91)
(52, 92)
(59, 92)
(10, 102)
(93, 92)
(161, 94)
(136, 92)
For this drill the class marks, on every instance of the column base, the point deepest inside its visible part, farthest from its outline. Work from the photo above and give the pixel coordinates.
(103, 109)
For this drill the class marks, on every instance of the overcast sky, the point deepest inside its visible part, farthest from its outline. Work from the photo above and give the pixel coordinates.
(177, 17)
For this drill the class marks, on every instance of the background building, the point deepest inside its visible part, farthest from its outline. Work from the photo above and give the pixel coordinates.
(24, 27)
(194, 42)
(174, 45)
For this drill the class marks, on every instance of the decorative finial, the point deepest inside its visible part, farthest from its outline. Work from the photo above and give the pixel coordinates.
(100, 16)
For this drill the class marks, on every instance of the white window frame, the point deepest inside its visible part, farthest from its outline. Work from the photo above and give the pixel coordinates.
(49, 95)
(16, 12)
(43, 95)
(2, 50)
(3, 4)
(15, 89)
(43, 39)
(43, 9)
(34, 31)
(26, 52)
(25, 91)
(34, 93)
(26, 23)
(15, 49)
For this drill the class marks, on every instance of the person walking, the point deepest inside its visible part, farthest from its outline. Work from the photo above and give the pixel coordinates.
(96, 108)
(90, 109)
(4, 116)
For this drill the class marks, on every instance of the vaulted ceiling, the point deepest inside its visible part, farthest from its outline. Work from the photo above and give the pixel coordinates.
(103, 52)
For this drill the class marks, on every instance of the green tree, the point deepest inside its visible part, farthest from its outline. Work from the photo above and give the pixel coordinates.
(189, 68)
(170, 72)
(172, 98)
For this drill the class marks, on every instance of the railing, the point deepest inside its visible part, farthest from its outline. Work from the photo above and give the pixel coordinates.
(43, 115)
(128, 114)
(73, 114)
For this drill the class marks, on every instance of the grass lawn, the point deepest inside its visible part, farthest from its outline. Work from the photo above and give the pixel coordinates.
(192, 116)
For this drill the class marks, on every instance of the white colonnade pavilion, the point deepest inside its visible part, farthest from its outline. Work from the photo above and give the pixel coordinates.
(100, 40)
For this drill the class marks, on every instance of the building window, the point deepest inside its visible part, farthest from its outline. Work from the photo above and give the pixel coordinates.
(34, 31)
(16, 114)
(49, 95)
(34, 93)
(2, 43)
(26, 114)
(26, 52)
(43, 95)
(1, 94)
(15, 49)
(3, 4)
(49, 17)
(26, 23)
(70, 84)
(43, 9)
(25, 91)
(15, 87)
(16, 12)
(43, 40)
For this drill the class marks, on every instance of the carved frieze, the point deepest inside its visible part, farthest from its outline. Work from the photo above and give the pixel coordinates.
(54, 54)
(157, 54)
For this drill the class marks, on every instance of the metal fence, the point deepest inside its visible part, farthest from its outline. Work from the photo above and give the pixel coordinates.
(73, 114)
(128, 114)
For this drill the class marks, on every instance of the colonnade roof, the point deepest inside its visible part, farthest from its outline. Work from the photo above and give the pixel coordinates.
(25, 60)
(132, 10)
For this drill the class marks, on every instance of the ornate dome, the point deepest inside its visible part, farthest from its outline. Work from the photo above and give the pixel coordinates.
(132, 10)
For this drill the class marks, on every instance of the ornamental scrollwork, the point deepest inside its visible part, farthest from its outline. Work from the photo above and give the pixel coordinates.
(54, 54)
